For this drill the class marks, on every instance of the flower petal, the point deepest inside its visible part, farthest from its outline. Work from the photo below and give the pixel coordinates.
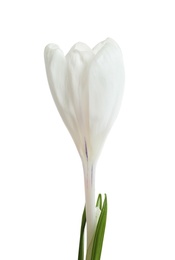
(106, 83)
(100, 45)
(78, 60)
(56, 68)
(80, 46)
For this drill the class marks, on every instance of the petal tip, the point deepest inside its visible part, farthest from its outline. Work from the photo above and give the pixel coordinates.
(51, 47)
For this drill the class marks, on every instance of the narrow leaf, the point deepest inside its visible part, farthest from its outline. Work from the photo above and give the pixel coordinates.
(99, 202)
(81, 243)
(99, 233)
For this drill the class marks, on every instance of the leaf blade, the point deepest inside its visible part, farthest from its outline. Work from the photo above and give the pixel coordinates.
(81, 242)
(99, 233)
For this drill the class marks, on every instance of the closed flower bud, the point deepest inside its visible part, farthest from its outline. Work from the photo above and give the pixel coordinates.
(87, 87)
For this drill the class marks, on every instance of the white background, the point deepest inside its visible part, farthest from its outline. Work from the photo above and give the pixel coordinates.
(41, 178)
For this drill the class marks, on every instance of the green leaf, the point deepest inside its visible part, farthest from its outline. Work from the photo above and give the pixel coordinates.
(81, 243)
(94, 252)
(99, 233)
(99, 202)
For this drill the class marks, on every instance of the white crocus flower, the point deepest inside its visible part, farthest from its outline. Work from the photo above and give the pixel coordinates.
(87, 87)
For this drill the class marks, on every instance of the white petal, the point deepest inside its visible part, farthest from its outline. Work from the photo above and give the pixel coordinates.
(80, 46)
(106, 83)
(78, 60)
(56, 69)
(100, 45)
